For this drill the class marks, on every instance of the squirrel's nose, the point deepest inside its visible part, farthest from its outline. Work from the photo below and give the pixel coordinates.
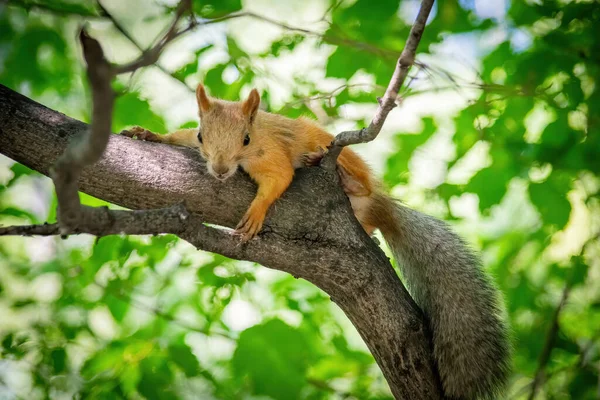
(220, 169)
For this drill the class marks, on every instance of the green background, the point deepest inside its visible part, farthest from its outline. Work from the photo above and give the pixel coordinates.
(505, 146)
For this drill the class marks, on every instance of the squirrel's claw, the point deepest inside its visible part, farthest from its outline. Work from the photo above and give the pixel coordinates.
(249, 226)
(140, 133)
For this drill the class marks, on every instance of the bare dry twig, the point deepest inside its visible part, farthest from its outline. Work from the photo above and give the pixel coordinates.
(151, 56)
(549, 342)
(88, 148)
(137, 44)
(388, 101)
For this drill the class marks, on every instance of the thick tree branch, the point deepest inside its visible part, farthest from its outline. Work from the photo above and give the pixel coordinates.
(310, 232)
(388, 101)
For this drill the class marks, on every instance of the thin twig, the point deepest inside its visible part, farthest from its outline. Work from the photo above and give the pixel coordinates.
(388, 101)
(549, 342)
(582, 361)
(30, 230)
(151, 55)
(137, 44)
(119, 295)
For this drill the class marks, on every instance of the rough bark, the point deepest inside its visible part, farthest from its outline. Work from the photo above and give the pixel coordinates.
(310, 232)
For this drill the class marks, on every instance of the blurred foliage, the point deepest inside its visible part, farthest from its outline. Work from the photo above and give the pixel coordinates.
(150, 317)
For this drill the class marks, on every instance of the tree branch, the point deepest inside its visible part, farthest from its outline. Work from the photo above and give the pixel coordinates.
(310, 232)
(102, 222)
(388, 101)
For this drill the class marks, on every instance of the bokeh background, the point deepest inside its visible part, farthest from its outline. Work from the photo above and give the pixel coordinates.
(498, 133)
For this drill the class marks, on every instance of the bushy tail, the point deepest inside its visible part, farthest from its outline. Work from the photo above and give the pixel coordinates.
(470, 335)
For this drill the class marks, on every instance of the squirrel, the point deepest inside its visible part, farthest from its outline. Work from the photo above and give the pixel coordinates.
(461, 304)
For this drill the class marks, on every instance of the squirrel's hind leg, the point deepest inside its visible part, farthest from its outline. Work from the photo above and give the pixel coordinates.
(358, 193)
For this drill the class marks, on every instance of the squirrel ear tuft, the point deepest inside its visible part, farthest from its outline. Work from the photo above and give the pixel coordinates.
(203, 100)
(250, 106)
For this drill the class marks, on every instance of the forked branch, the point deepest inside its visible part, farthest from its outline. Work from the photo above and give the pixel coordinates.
(88, 149)
(151, 55)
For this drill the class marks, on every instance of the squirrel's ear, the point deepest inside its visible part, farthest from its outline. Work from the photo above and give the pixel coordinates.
(250, 106)
(203, 100)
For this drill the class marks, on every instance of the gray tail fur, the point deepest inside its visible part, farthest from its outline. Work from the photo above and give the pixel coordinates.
(462, 305)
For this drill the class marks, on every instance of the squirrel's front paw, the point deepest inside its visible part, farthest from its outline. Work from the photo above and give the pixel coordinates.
(140, 133)
(250, 224)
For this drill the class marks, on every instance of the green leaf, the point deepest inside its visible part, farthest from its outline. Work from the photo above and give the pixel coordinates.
(108, 248)
(117, 306)
(131, 109)
(578, 272)
(18, 171)
(406, 144)
(490, 183)
(584, 384)
(191, 68)
(274, 357)
(157, 249)
(18, 213)
(79, 7)
(7, 342)
(181, 354)
(216, 8)
(156, 381)
(549, 197)
(22, 64)
(59, 360)
(108, 361)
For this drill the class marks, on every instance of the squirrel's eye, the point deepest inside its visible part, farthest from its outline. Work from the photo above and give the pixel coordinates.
(247, 140)
(200, 137)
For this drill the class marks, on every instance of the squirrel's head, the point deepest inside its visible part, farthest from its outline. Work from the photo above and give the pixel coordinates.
(226, 131)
